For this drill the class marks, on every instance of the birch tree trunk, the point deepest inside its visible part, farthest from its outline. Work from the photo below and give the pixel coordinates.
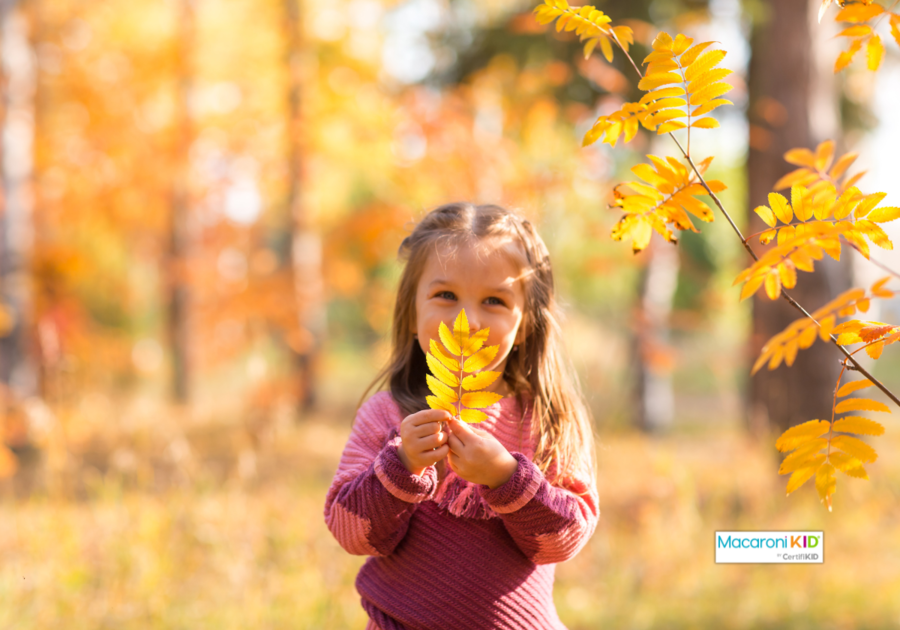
(793, 103)
(17, 82)
(654, 405)
(306, 242)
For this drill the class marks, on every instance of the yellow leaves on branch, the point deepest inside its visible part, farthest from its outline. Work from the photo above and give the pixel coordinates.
(467, 355)
(806, 442)
(861, 34)
(802, 333)
(591, 26)
(814, 170)
(814, 221)
(876, 335)
(683, 85)
(665, 196)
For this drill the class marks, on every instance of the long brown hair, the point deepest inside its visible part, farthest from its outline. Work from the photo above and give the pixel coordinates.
(561, 422)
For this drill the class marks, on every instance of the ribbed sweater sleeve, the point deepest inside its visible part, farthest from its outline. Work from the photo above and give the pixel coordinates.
(549, 523)
(373, 495)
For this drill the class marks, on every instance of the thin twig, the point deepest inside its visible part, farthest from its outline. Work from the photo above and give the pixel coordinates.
(882, 266)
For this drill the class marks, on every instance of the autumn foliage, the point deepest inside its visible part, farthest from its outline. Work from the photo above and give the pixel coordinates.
(825, 209)
(467, 355)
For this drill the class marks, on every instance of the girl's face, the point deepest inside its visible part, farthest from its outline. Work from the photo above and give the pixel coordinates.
(482, 280)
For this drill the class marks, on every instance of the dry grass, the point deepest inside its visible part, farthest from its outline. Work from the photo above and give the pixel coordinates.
(213, 539)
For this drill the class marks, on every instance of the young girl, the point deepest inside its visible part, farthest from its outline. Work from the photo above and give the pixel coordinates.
(465, 523)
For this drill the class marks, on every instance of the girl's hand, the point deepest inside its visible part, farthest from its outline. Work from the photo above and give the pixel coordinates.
(423, 443)
(478, 457)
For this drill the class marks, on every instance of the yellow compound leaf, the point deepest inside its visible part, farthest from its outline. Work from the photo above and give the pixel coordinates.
(436, 403)
(773, 284)
(808, 337)
(868, 203)
(826, 483)
(447, 339)
(780, 207)
(480, 359)
(848, 465)
(840, 167)
(859, 13)
(444, 393)
(802, 210)
(672, 125)
(752, 286)
(883, 215)
(606, 48)
(653, 81)
(447, 379)
(461, 328)
(709, 93)
(802, 475)
(846, 57)
(824, 155)
(703, 63)
(854, 447)
(853, 386)
(802, 455)
(874, 52)
(858, 425)
(708, 78)
(681, 44)
(813, 462)
(879, 290)
(709, 106)
(480, 399)
(472, 415)
(690, 56)
(480, 380)
(797, 435)
(788, 274)
(800, 157)
(861, 30)
(861, 404)
(475, 342)
(444, 375)
(705, 123)
(875, 349)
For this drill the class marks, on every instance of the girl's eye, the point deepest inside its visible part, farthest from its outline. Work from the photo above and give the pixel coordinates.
(495, 301)
(448, 295)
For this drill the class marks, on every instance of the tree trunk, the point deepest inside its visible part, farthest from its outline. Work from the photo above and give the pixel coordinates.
(654, 398)
(306, 243)
(793, 103)
(17, 87)
(177, 279)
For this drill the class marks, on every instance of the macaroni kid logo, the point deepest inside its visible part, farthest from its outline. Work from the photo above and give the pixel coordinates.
(770, 547)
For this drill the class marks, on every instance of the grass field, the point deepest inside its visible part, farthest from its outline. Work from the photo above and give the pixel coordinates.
(233, 538)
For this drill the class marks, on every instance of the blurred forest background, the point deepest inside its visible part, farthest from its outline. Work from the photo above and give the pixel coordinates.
(202, 202)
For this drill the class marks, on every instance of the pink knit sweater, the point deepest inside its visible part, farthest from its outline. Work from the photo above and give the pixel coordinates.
(455, 555)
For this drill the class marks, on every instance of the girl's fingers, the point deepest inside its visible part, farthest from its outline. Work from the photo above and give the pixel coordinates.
(424, 430)
(455, 443)
(427, 416)
(431, 441)
(432, 457)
